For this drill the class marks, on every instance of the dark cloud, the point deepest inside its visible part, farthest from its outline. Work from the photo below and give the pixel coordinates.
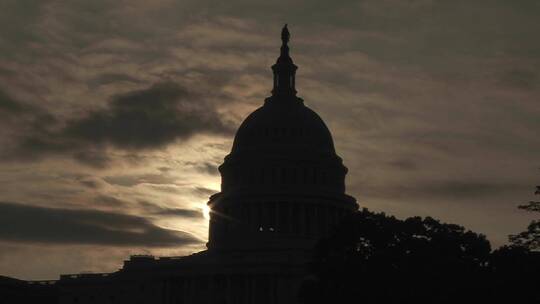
(30, 224)
(154, 209)
(145, 207)
(447, 190)
(172, 189)
(404, 164)
(148, 118)
(133, 180)
(208, 168)
(110, 201)
(10, 105)
(469, 190)
(519, 78)
(19, 119)
(17, 110)
(142, 119)
(112, 78)
(164, 169)
(204, 191)
(181, 212)
(91, 183)
(93, 157)
(16, 20)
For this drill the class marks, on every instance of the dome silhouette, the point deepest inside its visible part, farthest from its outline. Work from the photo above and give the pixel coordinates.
(282, 185)
(283, 126)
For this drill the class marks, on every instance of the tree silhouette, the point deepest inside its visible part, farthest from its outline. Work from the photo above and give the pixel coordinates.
(513, 275)
(530, 238)
(375, 258)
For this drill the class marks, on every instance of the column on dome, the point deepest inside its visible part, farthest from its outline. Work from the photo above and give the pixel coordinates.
(324, 219)
(308, 211)
(277, 214)
(315, 229)
(302, 225)
(281, 217)
(289, 219)
(254, 216)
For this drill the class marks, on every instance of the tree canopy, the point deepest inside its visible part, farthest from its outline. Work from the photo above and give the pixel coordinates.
(530, 238)
(375, 258)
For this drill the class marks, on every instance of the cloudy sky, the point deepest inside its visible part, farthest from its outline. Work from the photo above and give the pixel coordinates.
(114, 115)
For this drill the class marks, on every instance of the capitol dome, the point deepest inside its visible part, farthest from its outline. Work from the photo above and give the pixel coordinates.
(286, 125)
(282, 185)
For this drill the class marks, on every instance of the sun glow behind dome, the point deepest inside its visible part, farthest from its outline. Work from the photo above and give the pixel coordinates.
(206, 212)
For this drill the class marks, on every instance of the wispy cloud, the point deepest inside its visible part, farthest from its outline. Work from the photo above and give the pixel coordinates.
(23, 223)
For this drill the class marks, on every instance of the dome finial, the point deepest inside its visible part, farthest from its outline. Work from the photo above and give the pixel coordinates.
(284, 69)
(285, 35)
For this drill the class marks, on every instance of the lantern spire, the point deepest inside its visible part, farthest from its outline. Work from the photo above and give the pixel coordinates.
(284, 69)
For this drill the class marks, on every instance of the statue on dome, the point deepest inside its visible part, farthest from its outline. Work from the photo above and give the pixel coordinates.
(285, 35)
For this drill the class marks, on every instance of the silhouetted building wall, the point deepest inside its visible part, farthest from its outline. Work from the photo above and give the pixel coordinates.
(21, 292)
